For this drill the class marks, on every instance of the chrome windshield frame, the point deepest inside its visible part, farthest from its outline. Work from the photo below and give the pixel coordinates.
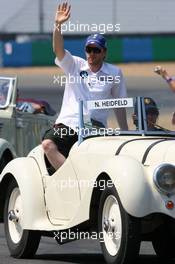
(142, 125)
(10, 90)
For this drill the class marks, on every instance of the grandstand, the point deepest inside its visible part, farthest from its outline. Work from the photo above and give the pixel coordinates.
(135, 17)
(136, 31)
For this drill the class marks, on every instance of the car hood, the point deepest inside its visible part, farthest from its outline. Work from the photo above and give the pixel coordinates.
(147, 150)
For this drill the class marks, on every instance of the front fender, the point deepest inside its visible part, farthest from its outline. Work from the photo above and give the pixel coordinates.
(133, 187)
(134, 184)
(130, 180)
(29, 179)
(129, 177)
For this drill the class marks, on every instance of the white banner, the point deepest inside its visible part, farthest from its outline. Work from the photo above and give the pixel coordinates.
(110, 103)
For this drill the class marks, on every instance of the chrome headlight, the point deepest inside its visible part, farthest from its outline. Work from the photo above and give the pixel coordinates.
(164, 178)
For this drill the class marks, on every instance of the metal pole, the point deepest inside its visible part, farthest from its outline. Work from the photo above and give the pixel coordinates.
(1, 55)
(41, 16)
(114, 13)
(81, 123)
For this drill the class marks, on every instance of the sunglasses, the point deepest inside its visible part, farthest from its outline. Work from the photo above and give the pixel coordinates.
(93, 49)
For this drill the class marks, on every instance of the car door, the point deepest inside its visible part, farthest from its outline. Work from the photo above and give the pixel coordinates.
(62, 194)
(7, 126)
(30, 129)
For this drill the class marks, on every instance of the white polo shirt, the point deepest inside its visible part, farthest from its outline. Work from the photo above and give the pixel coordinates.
(83, 84)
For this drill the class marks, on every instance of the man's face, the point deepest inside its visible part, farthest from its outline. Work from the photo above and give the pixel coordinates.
(151, 120)
(95, 55)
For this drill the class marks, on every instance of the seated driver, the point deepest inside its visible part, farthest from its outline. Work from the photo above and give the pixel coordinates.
(152, 114)
(169, 79)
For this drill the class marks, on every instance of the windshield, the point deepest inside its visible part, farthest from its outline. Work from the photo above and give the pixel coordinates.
(143, 115)
(5, 91)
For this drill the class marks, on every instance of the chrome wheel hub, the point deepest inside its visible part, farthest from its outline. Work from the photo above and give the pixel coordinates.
(112, 225)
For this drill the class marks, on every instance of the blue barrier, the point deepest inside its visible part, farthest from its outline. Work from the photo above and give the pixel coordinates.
(126, 49)
(76, 47)
(17, 54)
(1, 54)
(137, 49)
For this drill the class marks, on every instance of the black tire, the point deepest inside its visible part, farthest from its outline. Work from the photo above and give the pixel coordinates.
(163, 242)
(3, 163)
(29, 240)
(129, 245)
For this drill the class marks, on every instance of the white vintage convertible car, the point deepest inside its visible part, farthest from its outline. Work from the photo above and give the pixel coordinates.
(116, 186)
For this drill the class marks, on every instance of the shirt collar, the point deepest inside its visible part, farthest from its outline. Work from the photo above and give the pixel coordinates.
(103, 69)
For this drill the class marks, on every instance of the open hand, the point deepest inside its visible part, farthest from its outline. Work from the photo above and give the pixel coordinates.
(161, 71)
(63, 13)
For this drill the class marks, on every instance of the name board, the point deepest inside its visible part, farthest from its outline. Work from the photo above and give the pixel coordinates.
(110, 103)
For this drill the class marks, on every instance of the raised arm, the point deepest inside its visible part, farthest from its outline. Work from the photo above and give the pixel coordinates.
(163, 73)
(61, 16)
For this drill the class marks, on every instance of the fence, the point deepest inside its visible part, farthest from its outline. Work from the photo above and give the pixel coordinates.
(121, 49)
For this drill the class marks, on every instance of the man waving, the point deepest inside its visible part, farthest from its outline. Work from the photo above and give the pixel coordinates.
(94, 79)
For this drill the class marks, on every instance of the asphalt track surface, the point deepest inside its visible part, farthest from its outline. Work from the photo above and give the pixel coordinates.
(84, 251)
